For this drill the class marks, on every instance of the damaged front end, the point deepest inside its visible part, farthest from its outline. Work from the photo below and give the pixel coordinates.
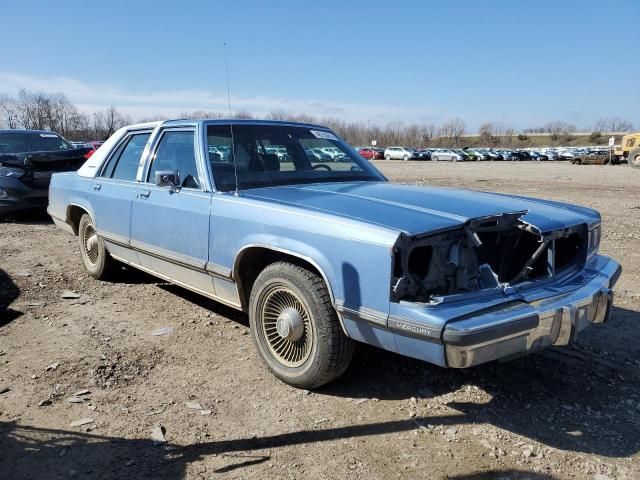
(494, 252)
(497, 287)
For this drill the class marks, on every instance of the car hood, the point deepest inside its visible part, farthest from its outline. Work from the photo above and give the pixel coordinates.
(413, 209)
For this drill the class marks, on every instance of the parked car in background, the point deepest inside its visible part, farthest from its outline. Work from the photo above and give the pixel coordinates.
(497, 154)
(469, 154)
(508, 155)
(371, 153)
(475, 153)
(400, 153)
(541, 157)
(524, 155)
(95, 144)
(534, 155)
(321, 255)
(490, 154)
(424, 154)
(321, 155)
(566, 154)
(28, 158)
(483, 156)
(449, 155)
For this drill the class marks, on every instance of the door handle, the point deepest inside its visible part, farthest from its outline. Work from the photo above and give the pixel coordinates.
(97, 186)
(145, 194)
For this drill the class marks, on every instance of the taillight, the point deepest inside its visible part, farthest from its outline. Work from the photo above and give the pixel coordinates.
(87, 155)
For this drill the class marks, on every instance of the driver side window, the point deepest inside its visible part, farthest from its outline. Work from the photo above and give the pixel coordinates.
(176, 152)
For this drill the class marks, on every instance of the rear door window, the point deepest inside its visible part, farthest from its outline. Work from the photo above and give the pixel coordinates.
(123, 164)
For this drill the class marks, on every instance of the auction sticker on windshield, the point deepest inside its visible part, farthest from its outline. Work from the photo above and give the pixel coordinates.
(326, 135)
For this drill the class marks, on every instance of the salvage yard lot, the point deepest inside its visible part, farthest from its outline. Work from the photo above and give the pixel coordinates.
(566, 413)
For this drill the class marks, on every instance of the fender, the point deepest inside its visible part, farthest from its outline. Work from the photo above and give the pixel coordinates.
(295, 249)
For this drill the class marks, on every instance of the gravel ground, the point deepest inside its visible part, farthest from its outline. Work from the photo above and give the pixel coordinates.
(90, 392)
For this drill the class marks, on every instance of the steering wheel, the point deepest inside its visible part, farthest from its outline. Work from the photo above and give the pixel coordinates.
(322, 165)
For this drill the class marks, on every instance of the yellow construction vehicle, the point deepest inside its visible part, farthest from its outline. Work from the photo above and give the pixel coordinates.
(628, 149)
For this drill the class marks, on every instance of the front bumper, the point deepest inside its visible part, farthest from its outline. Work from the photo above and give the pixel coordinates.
(525, 327)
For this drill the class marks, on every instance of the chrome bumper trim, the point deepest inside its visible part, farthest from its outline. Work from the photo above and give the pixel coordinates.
(552, 321)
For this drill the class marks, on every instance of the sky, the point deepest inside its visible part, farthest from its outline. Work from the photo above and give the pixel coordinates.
(518, 63)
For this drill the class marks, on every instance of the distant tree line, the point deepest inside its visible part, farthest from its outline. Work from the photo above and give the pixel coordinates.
(53, 111)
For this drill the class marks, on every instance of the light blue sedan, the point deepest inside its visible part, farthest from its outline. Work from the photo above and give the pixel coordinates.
(321, 254)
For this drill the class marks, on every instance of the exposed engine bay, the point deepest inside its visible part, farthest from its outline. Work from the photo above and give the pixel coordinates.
(487, 252)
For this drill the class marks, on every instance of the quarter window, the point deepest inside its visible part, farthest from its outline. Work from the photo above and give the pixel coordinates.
(176, 152)
(123, 164)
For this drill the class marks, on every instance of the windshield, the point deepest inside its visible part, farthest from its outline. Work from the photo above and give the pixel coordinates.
(32, 142)
(267, 155)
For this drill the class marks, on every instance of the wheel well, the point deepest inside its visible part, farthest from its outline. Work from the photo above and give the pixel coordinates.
(253, 260)
(74, 214)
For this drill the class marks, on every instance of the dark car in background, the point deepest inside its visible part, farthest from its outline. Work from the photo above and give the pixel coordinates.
(424, 154)
(28, 158)
(524, 155)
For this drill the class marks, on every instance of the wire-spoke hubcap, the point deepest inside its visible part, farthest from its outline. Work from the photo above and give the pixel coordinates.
(286, 326)
(90, 243)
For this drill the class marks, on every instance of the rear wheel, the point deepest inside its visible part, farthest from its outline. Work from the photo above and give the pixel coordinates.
(634, 158)
(95, 257)
(295, 327)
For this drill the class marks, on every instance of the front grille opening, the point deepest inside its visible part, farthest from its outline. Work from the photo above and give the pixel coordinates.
(482, 255)
(508, 252)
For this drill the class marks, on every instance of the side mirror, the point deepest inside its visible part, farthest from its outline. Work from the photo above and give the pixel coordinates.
(167, 178)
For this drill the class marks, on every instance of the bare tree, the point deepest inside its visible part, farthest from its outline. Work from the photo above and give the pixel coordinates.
(452, 130)
(487, 133)
(243, 114)
(9, 112)
(509, 133)
(107, 122)
(615, 124)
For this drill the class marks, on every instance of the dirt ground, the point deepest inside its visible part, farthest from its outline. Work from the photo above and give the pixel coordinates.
(570, 413)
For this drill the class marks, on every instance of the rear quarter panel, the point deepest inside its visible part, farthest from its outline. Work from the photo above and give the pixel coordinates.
(68, 189)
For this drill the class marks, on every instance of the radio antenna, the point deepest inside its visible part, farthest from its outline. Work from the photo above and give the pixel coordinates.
(233, 143)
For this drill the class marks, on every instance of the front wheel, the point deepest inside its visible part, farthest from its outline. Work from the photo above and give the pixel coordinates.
(634, 158)
(405, 158)
(388, 157)
(95, 257)
(295, 327)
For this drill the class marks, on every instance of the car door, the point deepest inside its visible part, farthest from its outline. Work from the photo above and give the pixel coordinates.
(112, 193)
(170, 225)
